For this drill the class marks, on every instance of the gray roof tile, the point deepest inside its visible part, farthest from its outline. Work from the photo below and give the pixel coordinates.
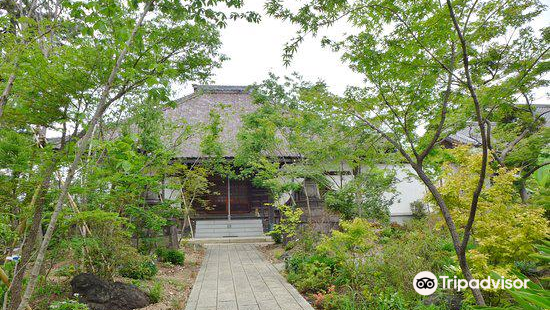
(470, 134)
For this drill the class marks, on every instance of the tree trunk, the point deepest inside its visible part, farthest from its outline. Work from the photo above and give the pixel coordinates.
(523, 192)
(102, 106)
(38, 201)
(484, 143)
(174, 241)
(34, 236)
(459, 250)
(309, 214)
(6, 92)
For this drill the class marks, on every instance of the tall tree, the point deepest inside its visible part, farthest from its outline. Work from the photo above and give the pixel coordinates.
(67, 65)
(424, 63)
(294, 120)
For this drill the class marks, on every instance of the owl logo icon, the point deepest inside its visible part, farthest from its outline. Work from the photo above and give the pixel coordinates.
(425, 283)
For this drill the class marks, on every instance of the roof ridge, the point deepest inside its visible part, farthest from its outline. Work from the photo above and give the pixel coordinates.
(212, 88)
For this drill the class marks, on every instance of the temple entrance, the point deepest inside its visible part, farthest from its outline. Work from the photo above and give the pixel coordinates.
(229, 196)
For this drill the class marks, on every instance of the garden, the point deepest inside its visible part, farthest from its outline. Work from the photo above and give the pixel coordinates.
(98, 207)
(368, 261)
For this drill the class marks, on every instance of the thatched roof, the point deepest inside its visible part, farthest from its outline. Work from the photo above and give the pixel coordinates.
(230, 102)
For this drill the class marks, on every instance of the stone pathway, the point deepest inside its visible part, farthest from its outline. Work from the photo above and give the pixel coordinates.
(237, 277)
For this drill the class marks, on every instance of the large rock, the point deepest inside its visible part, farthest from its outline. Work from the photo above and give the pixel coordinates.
(450, 299)
(99, 294)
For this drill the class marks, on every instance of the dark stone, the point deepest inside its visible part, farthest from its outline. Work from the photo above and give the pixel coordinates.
(451, 299)
(99, 294)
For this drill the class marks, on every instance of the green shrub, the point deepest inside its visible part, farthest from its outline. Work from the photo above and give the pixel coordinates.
(286, 229)
(311, 273)
(419, 209)
(357, 237)
(369, 266)
(414, 251)
(306, 241)
(171, 256)
(276, 236)
(334, 300)
(147, 246)
(535, 296)
(155, 293)
(141, 268)
(101, 252)
(367, 195)
(68, 305)
(505, 228)
(351, 300)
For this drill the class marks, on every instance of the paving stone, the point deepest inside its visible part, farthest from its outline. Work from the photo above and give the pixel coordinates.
(249, 307)
(237, 277)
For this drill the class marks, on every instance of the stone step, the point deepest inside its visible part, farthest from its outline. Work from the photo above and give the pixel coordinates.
(211, 235)
(214, 240)
(233, 221)
(224, 228)
(230, 228)
(255, 223)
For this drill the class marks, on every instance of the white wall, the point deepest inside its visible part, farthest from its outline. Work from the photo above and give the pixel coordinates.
(409, 188)
(170, 193)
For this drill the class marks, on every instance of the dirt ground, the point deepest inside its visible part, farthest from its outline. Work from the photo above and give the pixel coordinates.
(176, 281)
(272, 252)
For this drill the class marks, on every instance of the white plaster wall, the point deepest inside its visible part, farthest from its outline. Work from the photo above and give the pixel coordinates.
(337, 181)
(409, 188)
(171, 193)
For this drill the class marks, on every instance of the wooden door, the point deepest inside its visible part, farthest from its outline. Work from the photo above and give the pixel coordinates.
(240, 196)
(218, 197)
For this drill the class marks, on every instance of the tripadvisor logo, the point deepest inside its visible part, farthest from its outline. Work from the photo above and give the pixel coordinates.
(426, 283)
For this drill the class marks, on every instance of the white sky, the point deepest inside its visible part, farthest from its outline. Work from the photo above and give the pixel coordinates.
(255, 50)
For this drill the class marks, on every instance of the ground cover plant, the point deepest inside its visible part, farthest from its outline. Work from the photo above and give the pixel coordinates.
(369, 266)
(172, 256)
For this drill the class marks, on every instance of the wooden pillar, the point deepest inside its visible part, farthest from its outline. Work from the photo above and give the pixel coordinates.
(270, 215)
(228, 198)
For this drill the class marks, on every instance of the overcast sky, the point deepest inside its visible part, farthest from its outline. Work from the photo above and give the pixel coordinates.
(256, 49)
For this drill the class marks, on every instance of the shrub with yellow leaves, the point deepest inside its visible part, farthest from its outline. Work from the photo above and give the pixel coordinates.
(505, 229)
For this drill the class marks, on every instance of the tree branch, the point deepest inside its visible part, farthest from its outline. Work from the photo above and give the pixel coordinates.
(102, 106)
(415, 37)
(534, 169)
(446, 98)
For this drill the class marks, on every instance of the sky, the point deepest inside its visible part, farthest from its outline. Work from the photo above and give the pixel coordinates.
(256, 49)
